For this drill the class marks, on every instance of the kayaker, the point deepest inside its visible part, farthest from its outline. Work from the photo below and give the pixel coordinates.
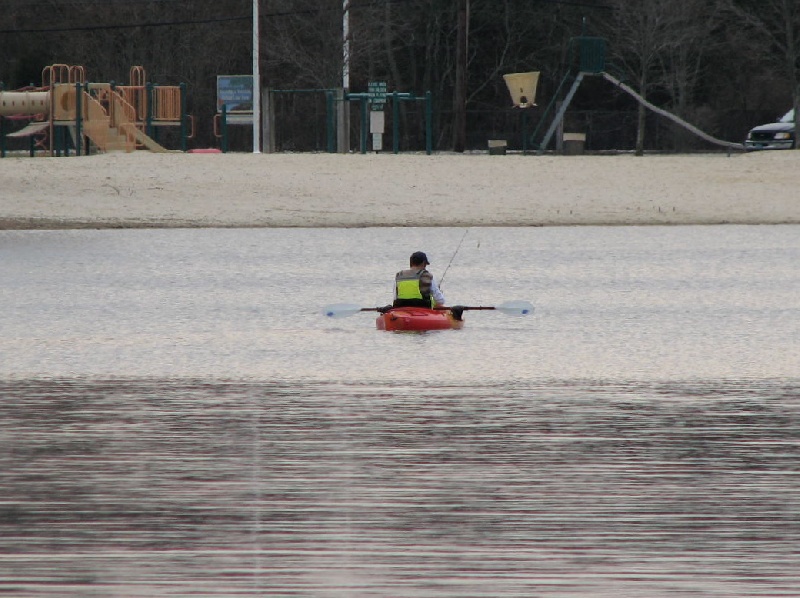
(416, 287)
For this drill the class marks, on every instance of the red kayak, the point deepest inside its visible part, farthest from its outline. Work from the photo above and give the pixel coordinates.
(418, 319)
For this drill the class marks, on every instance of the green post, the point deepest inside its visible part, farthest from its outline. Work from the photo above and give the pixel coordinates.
(224, 128)
(2, 130)
(184, 117)
(78, 119)
(330, 121)
(395, 123)
(364, 124)
(428, 123)
(149, 117)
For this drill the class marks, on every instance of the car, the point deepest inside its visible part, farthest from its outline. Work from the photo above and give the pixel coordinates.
(778, 135)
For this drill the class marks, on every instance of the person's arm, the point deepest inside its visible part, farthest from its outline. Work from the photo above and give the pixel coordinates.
(436, 293)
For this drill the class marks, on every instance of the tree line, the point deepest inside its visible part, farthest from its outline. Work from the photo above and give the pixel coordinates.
(722, 65)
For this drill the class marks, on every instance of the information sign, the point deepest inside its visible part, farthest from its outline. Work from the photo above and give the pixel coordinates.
(377, 94)
(235, 92)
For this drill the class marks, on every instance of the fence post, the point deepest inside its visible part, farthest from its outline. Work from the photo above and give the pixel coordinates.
(268, 131)
(150, 101)
(330, 121)
(78, 119)
(395, 123)
(2, 129)
(224, 128)
(342, 121)
(364, 124)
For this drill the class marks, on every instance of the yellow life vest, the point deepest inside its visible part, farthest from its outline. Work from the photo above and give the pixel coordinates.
(413, 288)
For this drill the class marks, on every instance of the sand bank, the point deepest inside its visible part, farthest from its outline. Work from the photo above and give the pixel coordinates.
(331, 190)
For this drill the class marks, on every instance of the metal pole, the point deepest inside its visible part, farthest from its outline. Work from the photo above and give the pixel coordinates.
(395, 123)
(343, 106)
(364, 124)
(224, 128)
(78, 119)
(2, 130)
(184, 132)
(330, 122)
(256, 84)
(346, 45)
(151, 96)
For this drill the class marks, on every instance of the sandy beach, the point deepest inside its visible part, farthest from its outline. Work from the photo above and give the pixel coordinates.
(142, 189)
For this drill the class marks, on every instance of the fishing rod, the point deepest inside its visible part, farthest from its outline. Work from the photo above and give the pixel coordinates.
(464, 236)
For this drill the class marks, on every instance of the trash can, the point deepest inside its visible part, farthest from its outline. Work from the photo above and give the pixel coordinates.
(574, 143)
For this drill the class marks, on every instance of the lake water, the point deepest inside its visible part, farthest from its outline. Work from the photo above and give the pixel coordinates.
(177, 418)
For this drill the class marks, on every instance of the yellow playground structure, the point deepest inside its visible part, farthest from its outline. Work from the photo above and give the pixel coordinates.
(67, 111)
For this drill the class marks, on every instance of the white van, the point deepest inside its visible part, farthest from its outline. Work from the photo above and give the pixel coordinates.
(779, 135)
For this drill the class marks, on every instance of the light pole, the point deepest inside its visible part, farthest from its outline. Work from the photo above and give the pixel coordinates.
(342, 110)
(346, 45)
(256, 84)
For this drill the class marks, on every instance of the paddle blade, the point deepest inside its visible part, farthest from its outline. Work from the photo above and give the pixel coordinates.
(515, 308)
(340, 310)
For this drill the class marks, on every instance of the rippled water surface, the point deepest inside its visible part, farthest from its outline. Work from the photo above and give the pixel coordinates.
(177, 419)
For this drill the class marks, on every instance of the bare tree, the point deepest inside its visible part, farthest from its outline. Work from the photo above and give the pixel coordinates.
(684, 64)
(695, 57)
(643, 33)
(460, 92)
(303, 43)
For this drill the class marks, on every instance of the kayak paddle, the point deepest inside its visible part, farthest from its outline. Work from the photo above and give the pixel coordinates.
(510, 308)
(344, 310)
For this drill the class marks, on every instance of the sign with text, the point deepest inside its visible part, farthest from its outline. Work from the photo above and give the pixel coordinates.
(235, 92)
(377, 124)
(377, 94)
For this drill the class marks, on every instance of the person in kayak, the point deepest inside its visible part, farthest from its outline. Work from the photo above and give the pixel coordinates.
(416, 287)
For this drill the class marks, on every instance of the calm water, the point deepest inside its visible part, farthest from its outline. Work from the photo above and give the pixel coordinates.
(177, 419)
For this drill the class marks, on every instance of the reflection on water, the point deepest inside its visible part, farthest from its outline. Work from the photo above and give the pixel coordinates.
(177, 419)
(141, 487)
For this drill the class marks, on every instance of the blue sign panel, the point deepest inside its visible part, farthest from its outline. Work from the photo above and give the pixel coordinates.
(235, 92)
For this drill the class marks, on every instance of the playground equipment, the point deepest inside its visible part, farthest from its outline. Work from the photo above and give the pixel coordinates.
(23, 105)
(588, 58)
(373, 102)
(68, 110)
(234, 98)
(522, 88)
(235, 101)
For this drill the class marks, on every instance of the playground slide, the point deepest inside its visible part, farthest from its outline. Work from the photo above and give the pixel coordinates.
(669, 115)
(148, 142)
(97, 124)
(24, 102)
